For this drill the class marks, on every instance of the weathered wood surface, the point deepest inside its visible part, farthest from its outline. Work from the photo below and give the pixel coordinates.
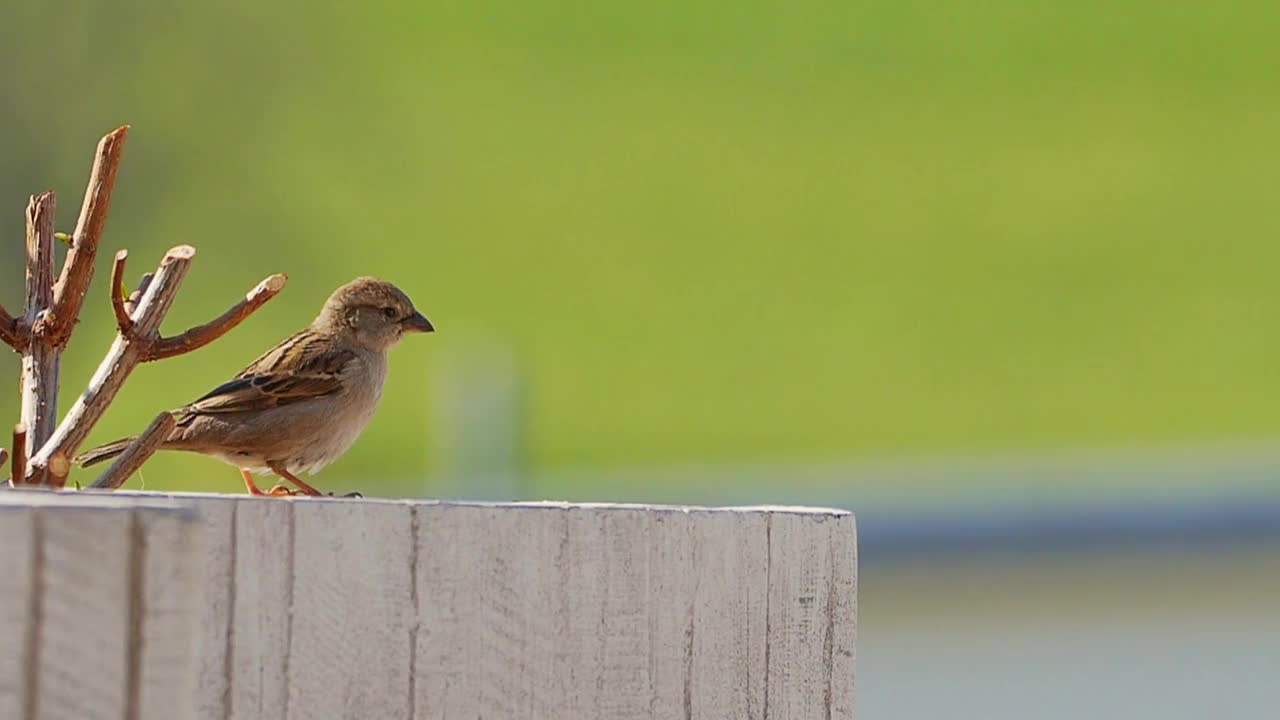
(101, 607)
(314, 608)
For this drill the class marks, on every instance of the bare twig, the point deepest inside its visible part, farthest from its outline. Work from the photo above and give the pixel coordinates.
(144, 282)
(201, 335)
(19, 468)
(123, 320)
(11, 331)
(138, 452)
(77, 269)
(125, 354)
(40, 358)
(4, 455)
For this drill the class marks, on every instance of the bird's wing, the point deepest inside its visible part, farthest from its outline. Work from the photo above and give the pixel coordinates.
(302, 367)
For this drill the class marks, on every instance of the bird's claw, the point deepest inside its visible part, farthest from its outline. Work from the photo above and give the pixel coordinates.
(282, 491)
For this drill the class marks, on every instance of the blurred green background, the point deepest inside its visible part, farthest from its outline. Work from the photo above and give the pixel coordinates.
(943, 263)
(704, 231)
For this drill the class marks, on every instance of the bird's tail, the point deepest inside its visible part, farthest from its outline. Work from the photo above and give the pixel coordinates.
(103, 452)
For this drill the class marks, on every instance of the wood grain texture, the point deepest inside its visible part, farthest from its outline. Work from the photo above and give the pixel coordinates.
(325, 608)
(42, 356)
(627, 612)
(805, 615)
(844, 619)
(166, 612)
(351, 616)
(728, 671)
(107, 615)
(263, 587)
(20, 540)
(215, 632)
(84, 632)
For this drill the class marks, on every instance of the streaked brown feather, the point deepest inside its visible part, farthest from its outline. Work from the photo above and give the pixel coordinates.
(304, 366)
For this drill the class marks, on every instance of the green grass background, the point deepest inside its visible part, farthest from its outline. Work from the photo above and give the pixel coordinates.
(709, 231)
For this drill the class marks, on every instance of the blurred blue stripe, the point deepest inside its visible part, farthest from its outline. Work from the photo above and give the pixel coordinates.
(888, 535)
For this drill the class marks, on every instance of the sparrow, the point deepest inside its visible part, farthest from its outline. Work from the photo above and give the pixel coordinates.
(303, 403)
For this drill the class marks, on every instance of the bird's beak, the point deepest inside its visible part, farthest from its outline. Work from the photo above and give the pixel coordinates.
(417, 322)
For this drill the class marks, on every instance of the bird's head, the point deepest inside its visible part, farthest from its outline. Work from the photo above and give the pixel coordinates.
(374, 311)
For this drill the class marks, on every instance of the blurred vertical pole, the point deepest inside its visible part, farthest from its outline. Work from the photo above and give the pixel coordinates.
(478, 422)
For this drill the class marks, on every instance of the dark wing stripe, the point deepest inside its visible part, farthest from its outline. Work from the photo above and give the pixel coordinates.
(312, 372)
(229, 386)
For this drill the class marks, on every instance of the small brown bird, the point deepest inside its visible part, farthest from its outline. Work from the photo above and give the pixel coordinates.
(303, 403)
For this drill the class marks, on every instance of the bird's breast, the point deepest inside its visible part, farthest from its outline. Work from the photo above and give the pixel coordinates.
(347, 414)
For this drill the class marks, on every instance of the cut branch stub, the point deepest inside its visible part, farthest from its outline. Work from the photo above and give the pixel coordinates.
(118, 300)
(201, 335)
(125, 354)
(40, 357)
(131, 303)
(19, 470)
(138, 452)
(77, 269)
(12, 333)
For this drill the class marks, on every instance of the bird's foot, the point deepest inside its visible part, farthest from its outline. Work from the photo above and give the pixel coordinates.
(277, 491)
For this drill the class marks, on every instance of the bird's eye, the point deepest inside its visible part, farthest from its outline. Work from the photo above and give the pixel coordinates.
(389, 313)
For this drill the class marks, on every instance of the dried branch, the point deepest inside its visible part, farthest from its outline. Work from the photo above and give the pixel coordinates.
(12, 333)
(123, 321)
(143, 283)
(4, 455)
(19, 470)
(125, 354)
(201, 335)
(138, 452)
(77, 269)
(40, 358)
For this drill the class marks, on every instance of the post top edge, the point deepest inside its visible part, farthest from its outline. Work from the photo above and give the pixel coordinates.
(449, 503)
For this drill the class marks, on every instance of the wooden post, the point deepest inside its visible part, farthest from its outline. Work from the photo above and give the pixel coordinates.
(102, 607)
(401, 610)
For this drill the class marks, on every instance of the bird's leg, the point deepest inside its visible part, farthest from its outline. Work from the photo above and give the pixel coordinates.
(277, 491)
(284, 473)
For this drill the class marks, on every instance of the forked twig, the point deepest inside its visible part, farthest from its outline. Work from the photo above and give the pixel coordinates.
(125, 354)
(139, 340)
(42, 452)
(138, 452)
(201, 335)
